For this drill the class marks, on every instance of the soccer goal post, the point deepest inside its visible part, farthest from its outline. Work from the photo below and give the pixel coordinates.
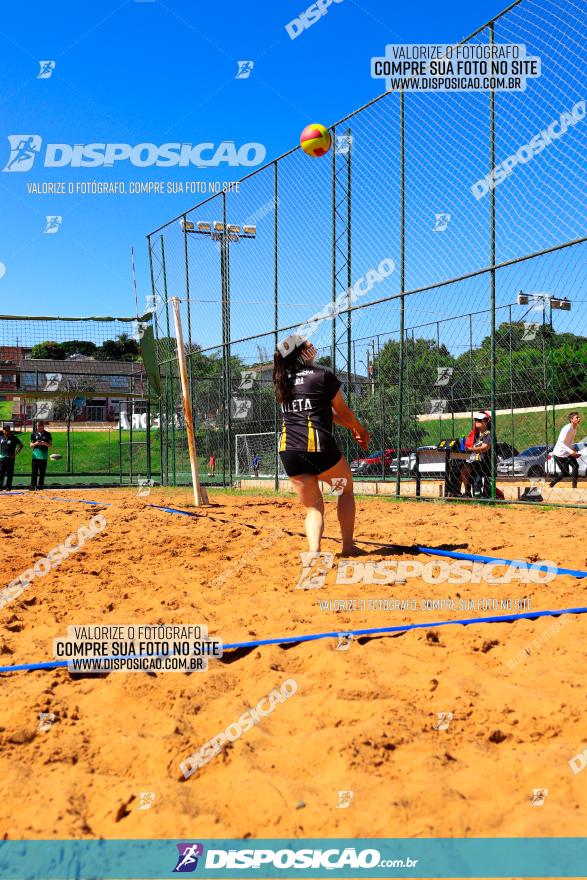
(263, 445)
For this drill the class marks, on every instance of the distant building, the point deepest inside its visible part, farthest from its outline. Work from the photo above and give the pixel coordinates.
(99, 389)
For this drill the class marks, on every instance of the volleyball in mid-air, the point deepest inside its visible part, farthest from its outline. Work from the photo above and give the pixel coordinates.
(315, 140)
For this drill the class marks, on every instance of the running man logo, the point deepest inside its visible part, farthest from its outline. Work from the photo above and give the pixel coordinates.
(441, 222)
(338, 485)
(444, 375)
(153, 300)
(24, 149)
(578, 762)
(538, 796)
(437, 406)
(46, 719)
(138, 330)
(344, 641)
(52, 381)
(244, 69)
(187, 860)
(539, 301)
(145, 486)
(444, 719)
(52, 225)
(46, 71)
(344, 800)
(343, 145)
(247, 379)
(147, 799)
(315, 567)
(530, 331)
(241, 408)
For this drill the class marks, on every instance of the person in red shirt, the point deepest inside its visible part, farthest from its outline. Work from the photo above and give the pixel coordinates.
(212, 466)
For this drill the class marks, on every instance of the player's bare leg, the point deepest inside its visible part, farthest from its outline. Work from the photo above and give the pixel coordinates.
(341, 479)
(309, 494)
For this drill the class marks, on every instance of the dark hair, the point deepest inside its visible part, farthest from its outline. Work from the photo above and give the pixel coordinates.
(575, 413)
(282, 381)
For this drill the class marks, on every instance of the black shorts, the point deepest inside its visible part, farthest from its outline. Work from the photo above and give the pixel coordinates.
(295, 463)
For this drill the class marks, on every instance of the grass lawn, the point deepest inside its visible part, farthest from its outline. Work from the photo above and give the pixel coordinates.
(94, 452)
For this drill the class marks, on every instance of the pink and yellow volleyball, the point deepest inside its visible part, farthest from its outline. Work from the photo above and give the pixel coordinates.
(315, 140)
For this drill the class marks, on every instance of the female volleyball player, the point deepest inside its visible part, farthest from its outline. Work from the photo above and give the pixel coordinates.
(311, 400)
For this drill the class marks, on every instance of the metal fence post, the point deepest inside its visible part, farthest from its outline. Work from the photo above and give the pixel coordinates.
(170, 377)
(148, 438)
(349, 284)
(512, 388)
(400, 378)
(156, 335)
(492, 278)
(276, 310)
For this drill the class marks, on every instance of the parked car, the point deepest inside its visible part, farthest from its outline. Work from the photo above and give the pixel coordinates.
(371, 465)
(529, 463)
(404, 463)
(552, 468)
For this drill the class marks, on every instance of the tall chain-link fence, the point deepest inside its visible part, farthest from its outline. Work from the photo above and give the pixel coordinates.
(85, 379)
(436, 259)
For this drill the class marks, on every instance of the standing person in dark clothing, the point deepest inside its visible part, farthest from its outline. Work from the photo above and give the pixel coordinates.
(41, 441)
(311, 400)
(10, 446)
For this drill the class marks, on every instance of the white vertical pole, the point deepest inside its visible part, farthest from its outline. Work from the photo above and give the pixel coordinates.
(200, 494)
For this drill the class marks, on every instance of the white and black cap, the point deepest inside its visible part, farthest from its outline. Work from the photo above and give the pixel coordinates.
(288, 345)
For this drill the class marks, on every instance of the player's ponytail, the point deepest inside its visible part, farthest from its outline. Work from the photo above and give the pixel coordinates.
(282, 383)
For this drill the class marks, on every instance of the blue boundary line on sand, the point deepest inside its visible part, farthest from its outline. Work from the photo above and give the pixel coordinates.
(83, 501)
(314, 637)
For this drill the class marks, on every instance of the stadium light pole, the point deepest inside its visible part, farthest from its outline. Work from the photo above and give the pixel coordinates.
(225, 234)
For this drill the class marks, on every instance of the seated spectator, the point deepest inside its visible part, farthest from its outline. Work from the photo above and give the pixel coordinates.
(476, 473)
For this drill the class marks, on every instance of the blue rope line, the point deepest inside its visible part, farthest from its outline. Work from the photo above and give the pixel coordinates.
(83, 501)
(454, 554)
(313, 637)
(172, 510)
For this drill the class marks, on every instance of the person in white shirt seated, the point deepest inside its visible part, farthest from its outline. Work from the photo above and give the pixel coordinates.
(564, 454)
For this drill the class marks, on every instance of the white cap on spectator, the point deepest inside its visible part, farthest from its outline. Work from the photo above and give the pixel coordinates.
(290, 343)
(482, 416)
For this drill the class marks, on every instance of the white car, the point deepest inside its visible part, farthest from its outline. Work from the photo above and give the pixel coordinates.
(552, 469)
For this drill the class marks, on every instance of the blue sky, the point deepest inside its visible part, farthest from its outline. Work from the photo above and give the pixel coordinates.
(158, 72)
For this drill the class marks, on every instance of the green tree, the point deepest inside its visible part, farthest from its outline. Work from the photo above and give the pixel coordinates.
(48, 351)
(78, 346)
(123, 348)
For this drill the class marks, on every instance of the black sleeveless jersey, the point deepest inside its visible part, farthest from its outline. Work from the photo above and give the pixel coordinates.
(307, 418)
